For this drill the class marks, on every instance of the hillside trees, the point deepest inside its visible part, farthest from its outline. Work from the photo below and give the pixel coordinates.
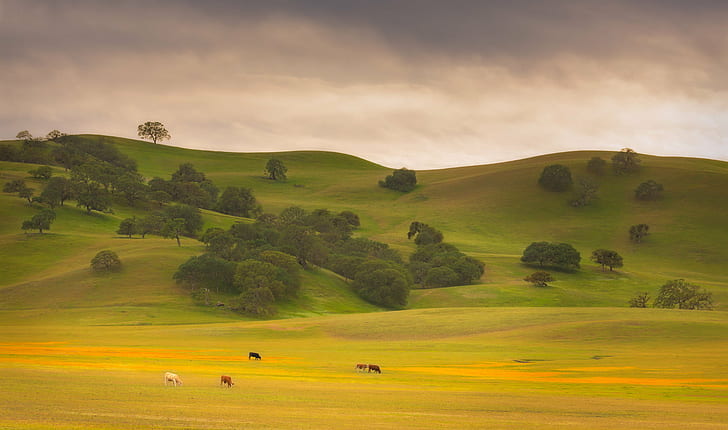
(238, 201)
(207, 271)
(424, 234)
(561, 255)
(153, 130)
(683, 295)
(174, 228)
(586, 194)
(105, 261)
(437, 264)
(607, 258)
(57, 191)
(638, 232)
(14, 186)
(556, 177)
(383, 283)
(40, 221)
(596, 166)
(626, 161)
(188, 186)
(403, 180)
(639, 301)
(276, 170)
(539, 279)
(128, 227)
(648, 190)
(42, 172)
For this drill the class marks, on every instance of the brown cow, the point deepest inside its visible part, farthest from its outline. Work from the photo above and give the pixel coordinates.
(374, 368)
(361, 367)
(227, 381)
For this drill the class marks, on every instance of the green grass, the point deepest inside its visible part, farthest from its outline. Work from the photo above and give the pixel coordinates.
(442, 368)
(79, 350)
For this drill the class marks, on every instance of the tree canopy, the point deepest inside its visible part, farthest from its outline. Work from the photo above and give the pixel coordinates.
(539, 279)
(683, 295)
(560, 255)
(276, 170)
(626, 161)
(40, 221)
(638, 232)
(105, 261)
(403, 180)
(648, 190)
(153, 130)
(556, 177)
(607, 258)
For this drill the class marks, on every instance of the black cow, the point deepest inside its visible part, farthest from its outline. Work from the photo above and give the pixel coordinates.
(254, 355)
(374, 368)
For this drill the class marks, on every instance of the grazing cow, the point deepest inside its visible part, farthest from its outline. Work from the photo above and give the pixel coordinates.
(374, 368)
(227, 381)
(173, 378)
(361, 367)
(254, 355)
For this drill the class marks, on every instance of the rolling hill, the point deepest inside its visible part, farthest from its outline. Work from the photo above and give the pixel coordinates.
(491, 212)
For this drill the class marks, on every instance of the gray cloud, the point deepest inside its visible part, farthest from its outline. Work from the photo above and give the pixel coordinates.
(422, 84)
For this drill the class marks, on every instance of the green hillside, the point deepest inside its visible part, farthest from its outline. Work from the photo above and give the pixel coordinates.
(86, 351)
(491, 212)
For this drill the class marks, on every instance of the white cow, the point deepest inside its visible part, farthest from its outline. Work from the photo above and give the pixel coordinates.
(173, 378)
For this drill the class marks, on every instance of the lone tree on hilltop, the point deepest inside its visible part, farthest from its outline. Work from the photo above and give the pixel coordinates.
(153, 130)
(683, 295)
(626, 161)
(276, 170)
(556, 177)
(607, 258)
(638, 232)
(54, 135)
(649, 190)
(24, 135)
(105, 261)
(539, 279)
(403, 180)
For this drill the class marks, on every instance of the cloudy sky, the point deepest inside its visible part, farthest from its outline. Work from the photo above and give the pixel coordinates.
(413, 83)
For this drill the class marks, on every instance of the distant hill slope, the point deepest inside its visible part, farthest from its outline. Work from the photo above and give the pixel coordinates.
(492, 212)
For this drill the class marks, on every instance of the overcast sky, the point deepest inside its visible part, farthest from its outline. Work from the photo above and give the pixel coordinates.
(415, 83)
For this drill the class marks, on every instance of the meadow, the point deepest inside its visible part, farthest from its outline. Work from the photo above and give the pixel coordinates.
(441, 368)
(79, 350)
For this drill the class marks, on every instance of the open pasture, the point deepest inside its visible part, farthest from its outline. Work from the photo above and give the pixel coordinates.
(441, 368)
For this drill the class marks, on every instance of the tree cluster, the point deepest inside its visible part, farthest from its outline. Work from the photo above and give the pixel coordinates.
(436, 264)
(676, 293)
(260, 261)
(403, 180)
(174, 221)
(558, 255)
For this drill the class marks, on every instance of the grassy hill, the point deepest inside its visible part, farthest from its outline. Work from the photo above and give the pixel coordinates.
(492, 212)
(498, 354)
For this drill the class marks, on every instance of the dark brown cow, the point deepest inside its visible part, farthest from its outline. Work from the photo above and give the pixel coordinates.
(227, 381)
(361, 367)
(253, 355)
(374, 368)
